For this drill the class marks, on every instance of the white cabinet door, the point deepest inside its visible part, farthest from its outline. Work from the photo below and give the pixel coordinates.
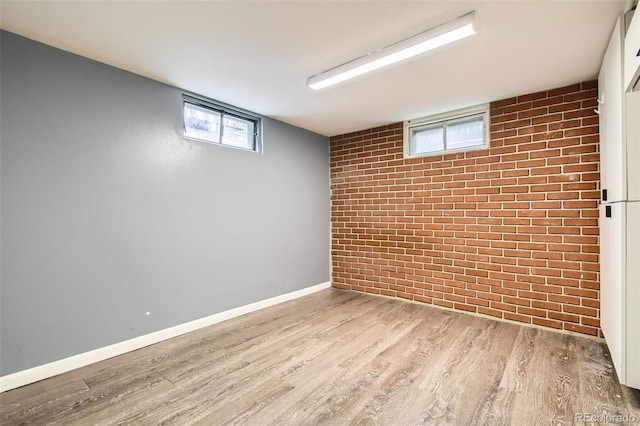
(632, 105)
(632, 53)
(612, 156)
(611, 282)
(633, 295)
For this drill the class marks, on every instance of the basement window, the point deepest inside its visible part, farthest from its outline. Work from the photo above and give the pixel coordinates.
(457, 131)
(220, 124)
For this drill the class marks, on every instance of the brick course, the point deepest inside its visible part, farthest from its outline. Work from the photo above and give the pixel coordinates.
(509, 232)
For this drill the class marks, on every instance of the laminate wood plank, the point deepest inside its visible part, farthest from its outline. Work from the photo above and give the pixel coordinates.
(339, 372)
(631, 401)
(283, 364)
(412, 358)
(103, 408)
(129, 371)
(599, 386)
(455, 397)
(540, 381)
(232, 374)
(339, 398)
(444, 396)
(38, 397)
(280, 343)
(227, 339)
(77, 407)
(336, 373)
(193, 399)
(338, 357)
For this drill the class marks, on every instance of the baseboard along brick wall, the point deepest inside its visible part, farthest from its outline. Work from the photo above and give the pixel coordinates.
(510, 231)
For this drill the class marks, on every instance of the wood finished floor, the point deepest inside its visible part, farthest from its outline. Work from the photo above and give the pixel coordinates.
(338, 357)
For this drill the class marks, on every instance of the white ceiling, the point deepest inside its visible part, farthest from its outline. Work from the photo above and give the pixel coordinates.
(258, 55)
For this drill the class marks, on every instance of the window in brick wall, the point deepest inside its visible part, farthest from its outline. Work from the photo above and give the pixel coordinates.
(456, 131)
(220, 124)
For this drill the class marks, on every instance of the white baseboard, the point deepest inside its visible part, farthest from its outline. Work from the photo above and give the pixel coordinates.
(24, 377)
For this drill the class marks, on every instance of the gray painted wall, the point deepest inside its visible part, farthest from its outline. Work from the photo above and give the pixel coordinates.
(107, 212)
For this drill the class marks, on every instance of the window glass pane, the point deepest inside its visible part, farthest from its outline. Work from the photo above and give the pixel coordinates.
(201, 123)
(427, 140)
(238, 132)
(465, 134)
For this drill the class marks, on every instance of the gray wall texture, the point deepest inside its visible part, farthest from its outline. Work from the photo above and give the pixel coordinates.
(108, 213)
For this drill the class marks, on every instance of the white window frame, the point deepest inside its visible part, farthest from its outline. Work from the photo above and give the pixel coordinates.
(224, 110)
(444, 119)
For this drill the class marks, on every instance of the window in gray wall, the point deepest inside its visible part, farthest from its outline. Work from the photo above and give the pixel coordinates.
(217, 123)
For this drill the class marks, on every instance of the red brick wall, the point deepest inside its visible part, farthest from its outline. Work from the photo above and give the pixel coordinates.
(510, 231)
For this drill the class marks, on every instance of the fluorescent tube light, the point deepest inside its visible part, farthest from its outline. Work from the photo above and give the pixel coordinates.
(423, 42)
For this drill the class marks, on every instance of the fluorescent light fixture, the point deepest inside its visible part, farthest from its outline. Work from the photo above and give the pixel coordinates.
(441, 35)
